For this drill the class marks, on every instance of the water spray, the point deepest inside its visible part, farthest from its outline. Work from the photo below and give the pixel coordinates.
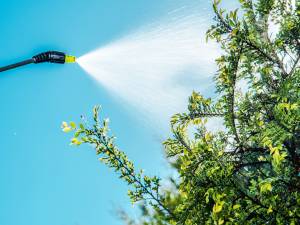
(50, 56)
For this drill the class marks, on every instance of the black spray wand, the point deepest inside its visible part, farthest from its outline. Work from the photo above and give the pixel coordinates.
(50, 56)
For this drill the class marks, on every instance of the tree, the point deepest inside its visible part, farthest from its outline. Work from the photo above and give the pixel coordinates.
(248, 173)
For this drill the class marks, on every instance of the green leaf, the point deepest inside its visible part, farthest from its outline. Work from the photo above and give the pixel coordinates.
(73, 125)
(265, 187)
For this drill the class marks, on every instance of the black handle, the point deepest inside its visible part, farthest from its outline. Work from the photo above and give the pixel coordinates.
(50, 56)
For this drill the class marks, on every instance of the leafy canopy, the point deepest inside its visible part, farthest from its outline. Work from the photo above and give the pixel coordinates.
(249, 173)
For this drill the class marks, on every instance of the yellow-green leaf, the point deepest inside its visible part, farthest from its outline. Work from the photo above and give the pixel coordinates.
(75, 141)
(236, 206)
(73, 125)
(67, 129)
(270, 210)
(220, 222)
(218, 207)
(265, 187)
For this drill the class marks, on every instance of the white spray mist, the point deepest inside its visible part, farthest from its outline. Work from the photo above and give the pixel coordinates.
(156, 68)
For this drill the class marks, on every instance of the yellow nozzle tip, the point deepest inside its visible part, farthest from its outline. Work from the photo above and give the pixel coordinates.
(70, 59)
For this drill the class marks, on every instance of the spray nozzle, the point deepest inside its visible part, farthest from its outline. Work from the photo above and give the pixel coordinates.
(70, 59)
(53, 57)
(50, 56)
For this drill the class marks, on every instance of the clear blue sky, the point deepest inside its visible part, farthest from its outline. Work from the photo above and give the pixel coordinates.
(43, 180)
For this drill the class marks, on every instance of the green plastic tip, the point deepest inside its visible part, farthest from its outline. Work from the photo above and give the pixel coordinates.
(70, 59)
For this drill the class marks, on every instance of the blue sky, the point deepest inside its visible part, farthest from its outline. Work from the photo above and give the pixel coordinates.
(43, 179)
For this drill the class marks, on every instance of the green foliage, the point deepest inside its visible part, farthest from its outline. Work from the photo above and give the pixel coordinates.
(144, 187)
(249, 173)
